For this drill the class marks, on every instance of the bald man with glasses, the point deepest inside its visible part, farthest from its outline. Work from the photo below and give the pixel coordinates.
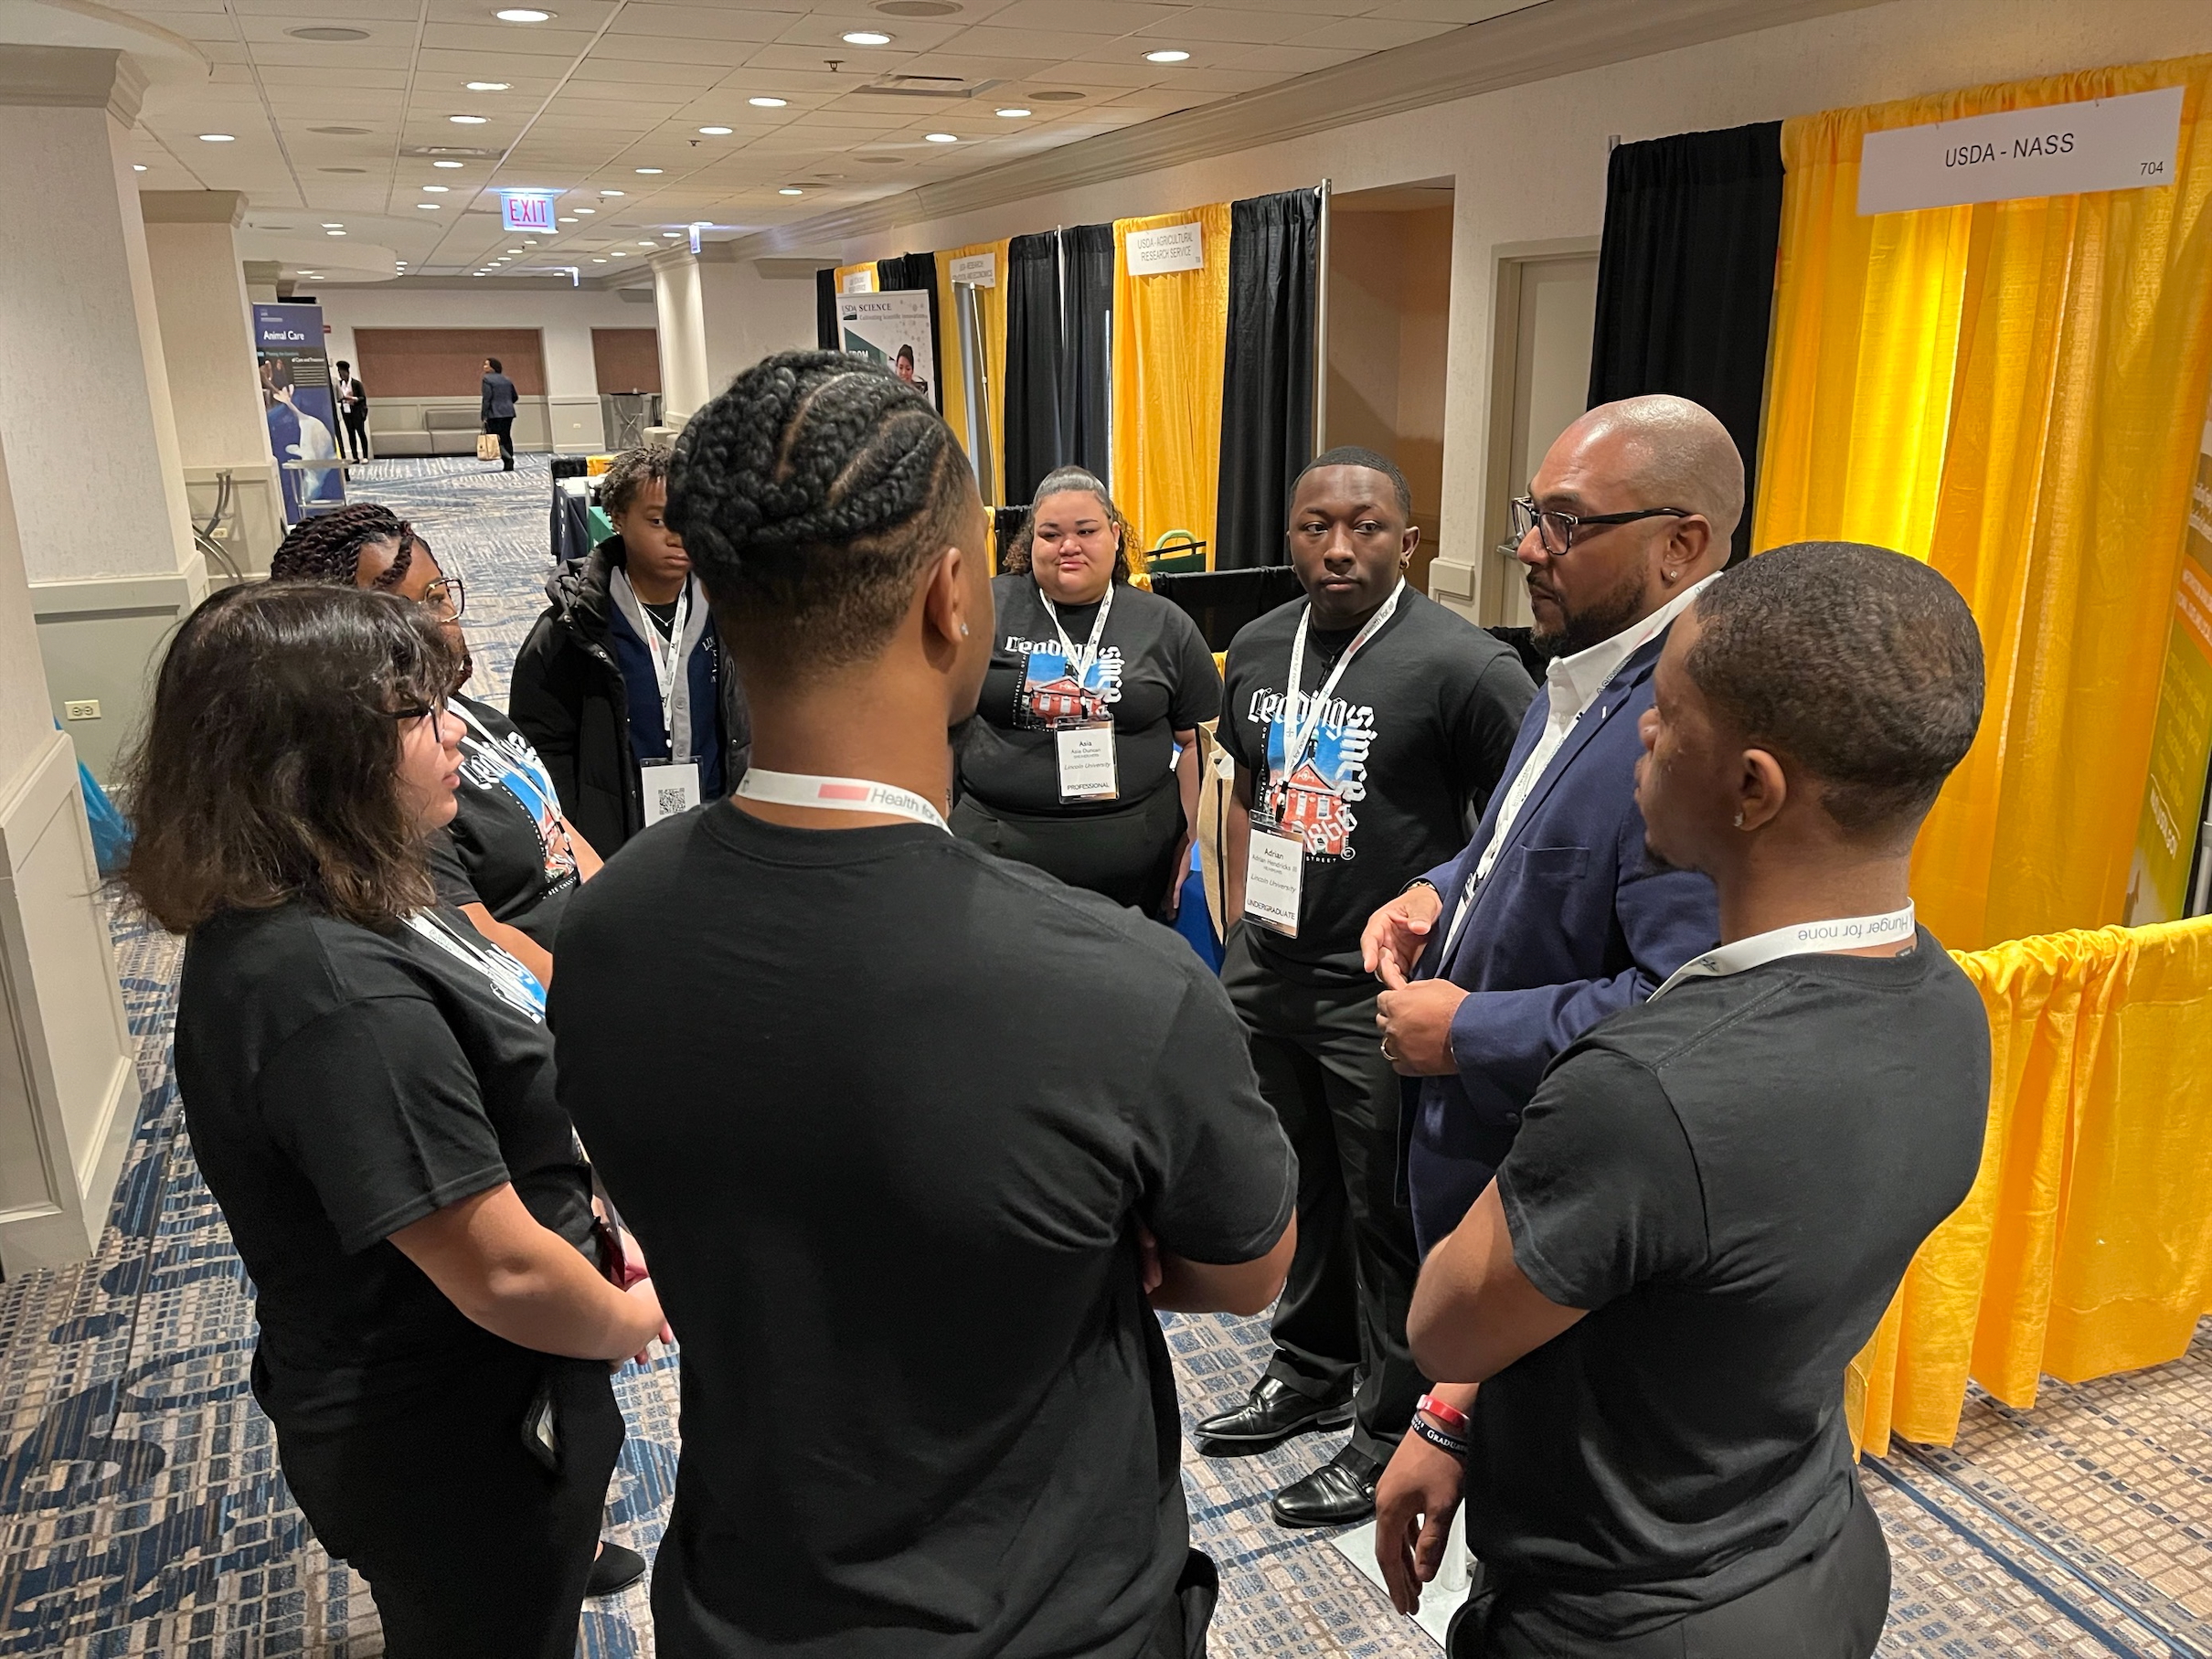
(1554, 917)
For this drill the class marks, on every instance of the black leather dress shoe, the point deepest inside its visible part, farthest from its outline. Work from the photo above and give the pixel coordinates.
(1272, 1413)
(1338, 1494)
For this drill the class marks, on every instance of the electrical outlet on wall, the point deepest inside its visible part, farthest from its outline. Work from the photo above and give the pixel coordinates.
(83, 709)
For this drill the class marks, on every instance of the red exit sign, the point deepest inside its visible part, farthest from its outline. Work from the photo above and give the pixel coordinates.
(525, 210)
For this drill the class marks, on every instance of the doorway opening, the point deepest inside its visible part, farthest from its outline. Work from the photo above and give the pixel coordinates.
(1539, 382)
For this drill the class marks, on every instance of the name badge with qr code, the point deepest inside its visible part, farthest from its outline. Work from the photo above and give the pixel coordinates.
(670, 790)
(1086, 762)
(1274, 869)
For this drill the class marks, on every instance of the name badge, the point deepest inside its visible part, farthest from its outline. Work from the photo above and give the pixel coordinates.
(670, 790)
(1086, 758)
(1274, 869)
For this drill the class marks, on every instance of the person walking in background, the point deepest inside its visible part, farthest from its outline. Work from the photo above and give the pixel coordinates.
(1095, 687)
(369, 1090)
(353, 410)
(1713, 1194)
(622, 685)
(1368, 725)
(918, 1139)
(499, 411)
(509, 859)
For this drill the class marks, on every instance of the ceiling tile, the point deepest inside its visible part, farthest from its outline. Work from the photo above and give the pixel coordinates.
(694, 23)
(1364, 35)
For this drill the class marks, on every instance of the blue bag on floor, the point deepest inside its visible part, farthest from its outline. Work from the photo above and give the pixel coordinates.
(111, 831)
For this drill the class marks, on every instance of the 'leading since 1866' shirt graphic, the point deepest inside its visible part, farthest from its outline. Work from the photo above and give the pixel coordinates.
(1053, 695)
(1316, 796)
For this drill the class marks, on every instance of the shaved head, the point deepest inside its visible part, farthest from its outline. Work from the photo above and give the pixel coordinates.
(1674, 453)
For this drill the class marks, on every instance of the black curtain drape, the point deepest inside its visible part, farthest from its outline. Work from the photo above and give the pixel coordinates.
(1035, 365)
(1686, 278)
(825, 309)
(911, 272)
(1267, 383)
(1087, 347)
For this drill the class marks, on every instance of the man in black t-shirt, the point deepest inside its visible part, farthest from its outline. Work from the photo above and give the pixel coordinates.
(1403, 719)
(908, 1131)
(1712, 1197)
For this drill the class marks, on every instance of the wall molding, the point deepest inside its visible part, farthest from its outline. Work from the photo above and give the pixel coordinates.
(161, 592)
(77, 77)
(1538, 42)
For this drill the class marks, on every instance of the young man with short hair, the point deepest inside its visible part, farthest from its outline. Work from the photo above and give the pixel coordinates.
(1714, 1196)
(1368, 725)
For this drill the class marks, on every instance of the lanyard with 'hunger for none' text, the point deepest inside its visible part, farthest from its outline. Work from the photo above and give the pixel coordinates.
(838, 794)
(1799, 939)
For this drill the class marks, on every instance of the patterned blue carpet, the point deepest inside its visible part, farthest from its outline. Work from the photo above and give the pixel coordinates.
(144, 1514)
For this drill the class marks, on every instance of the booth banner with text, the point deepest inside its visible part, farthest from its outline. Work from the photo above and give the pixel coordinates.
(976, 269)
(2067, 149)
(894, 330)
(296, 403)
(2181, 736)
(1171, 248)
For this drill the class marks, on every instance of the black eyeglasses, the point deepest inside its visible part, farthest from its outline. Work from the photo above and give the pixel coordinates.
(445, 598)
(433, 712)
(1558, 529)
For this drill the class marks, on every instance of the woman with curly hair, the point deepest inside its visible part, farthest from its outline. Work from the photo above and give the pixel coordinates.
(369, 1090)
(1083, 756)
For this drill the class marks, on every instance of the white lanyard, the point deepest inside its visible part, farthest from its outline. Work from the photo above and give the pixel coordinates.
(1078, 665)
(667, 654)
(1799, 939)
(514, 984)
(540, 779)
(838, 794)
(1296, 735)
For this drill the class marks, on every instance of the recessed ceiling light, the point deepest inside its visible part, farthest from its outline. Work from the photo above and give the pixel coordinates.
(599, 261)
(1015, 114)
(587, 210)
(642, 243)
(1056, 96)
(138, 166)
(333, 233)
(716, 132)
(342, 169)
(649, 170)
(567, 222)
(445, 163)
(865, 37)
(430, 207)
(790, 190)
(524, 14)
(610, 192)
(1167, 57)
(514, 251)
(334, 224)
(620, 254)
(218, 138)
(326, 33)
(468, 121)
(941, 138)
(916, 8)
(436, 189)
(767, 103)
(489, 86)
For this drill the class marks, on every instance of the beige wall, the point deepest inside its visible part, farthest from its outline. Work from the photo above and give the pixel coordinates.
(750, 315)
(1528, 163)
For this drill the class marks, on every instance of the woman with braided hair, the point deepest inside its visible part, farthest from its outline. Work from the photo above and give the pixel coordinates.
(911, 1133)
(509, 859)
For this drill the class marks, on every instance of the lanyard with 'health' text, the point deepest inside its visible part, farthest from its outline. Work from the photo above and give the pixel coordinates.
(838, 794)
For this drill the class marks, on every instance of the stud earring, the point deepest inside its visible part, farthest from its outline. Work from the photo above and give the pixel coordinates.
(964, 635)
(1739, 815)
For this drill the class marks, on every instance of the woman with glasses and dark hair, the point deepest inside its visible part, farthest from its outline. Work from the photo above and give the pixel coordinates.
(1082, 758)
(369, 1089)
(509, 860)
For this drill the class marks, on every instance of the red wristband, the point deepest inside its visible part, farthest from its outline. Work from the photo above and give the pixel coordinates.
(1447, 1417)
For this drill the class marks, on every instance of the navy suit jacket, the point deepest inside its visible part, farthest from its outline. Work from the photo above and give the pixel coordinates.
(1573, 923)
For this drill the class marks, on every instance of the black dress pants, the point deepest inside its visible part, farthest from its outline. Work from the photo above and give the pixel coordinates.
(1832, 1606)
(470, 1544)
(502, 427)
(1341, 1324)
(357, 434)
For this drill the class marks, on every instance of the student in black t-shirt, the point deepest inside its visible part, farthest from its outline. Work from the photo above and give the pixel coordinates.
(1714, 1196)
(509, 859)
(1093, 686)
(904, 1205)
(1404, 717)
(369, 1090)
(621, 686)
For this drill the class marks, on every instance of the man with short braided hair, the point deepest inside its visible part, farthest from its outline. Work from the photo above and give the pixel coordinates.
(916, 1138)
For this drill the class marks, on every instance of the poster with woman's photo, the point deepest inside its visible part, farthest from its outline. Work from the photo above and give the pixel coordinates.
(296, 403)
(896, 331)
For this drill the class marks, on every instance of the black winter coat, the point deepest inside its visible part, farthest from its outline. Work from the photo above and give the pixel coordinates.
(568, 697)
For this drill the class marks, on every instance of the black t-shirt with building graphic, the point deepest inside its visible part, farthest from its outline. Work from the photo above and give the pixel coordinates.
(1402, 764)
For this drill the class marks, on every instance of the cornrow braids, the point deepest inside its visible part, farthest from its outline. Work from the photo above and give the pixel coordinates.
(327, 548)
(809, 495)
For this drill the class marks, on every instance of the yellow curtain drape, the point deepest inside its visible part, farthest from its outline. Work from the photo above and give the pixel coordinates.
(2011, 391)
(2086, 1245)
(844, 271)
(1170, 347)
(991, 311)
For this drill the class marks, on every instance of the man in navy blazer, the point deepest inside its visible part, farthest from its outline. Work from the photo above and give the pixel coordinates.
(1555, 916)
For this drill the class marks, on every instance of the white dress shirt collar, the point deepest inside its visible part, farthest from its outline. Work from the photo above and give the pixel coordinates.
(1575, 681)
